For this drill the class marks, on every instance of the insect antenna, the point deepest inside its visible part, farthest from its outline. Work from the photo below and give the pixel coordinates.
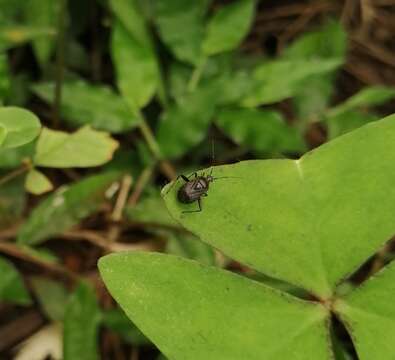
(226, 177)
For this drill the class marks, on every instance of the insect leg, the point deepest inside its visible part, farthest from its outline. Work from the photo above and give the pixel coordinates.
(200, 204)
(183, 177)
(194, 211)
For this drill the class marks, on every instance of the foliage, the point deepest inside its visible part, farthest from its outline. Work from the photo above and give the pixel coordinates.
(100, 100)
(311, 217)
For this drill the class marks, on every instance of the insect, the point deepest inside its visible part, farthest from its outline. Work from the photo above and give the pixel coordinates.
(193, 190)
(195, 187)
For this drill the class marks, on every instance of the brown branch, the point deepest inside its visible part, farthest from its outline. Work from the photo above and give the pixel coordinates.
(114, 231)
(141, 182)
(16, 252)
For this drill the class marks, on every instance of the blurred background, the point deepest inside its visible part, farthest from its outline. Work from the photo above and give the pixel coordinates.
(181, 85)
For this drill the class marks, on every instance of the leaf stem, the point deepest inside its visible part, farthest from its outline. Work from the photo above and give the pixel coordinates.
(196, 75)
(165, 166)
(149, 137)
(13, 174)
(141, 182)
(59, 63)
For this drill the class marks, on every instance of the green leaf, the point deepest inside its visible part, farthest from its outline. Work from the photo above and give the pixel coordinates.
(136, 67)
(130, 15)
(370, 96)
(65, 208)
(228, 27)
(42, 13)
(181, 27)
(280, 79)
(328, 42)
(84, 148)
(12, 288)
(263, 131)
(185, 124)
(86, 104)
(312, 100)
(52, 297)
(204, 309)
(346, 121)
(37, 183)
(21, 126)
(311, 221)
(369, 315)
(81, 324)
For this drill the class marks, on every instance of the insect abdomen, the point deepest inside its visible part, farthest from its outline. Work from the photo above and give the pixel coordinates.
(192, 190)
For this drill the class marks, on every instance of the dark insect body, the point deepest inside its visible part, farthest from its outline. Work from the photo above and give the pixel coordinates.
(195, 187)
(193, 190)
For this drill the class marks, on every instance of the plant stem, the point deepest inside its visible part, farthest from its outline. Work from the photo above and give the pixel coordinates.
(14, 174)
(116, 216)
(149, 138)
(59, 63)
(153, 146)
(196, 75)
(141, 182)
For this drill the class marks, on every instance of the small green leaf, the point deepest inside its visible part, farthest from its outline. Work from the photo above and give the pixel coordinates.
(311, 221)
(277, 80)
(263, 131)
(81, 322)
(21, 126)
(370, 96)
(329, 42)
(52, 297)
(136, 67)
(369, 315)
(204, 309)
(181, 27)
(346, 121)
(65, 208)
(37, 183)
(86, 104)
(228, 27)
(84, 148)
(185, 124)
(12, 288)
